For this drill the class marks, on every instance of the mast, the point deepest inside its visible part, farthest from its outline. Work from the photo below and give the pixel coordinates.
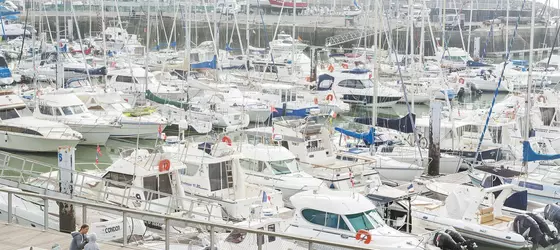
(529, 84)
(377, 30)
(147, 48)
(247, 34)
(293, 36)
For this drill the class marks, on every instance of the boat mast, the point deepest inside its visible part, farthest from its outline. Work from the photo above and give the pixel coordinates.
(293, 36)
(529, 84)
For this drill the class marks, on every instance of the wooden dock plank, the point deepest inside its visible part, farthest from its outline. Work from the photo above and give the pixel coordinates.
(19, 237)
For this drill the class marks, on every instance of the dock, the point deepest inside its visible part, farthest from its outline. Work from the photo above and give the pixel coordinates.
(20, 238)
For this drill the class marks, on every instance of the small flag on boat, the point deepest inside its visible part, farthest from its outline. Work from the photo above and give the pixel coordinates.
(159, 130)
(265, 197)
(299, 38)
(97, 154)
(273, 109)
(351, 178)
(410, 188)
(332, 114)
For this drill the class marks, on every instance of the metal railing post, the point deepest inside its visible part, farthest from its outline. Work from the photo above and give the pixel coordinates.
(125, 227)
(212, 237)
(166, 234)
(310, 246)
(10, 204)
(84, 214)
(45, 214)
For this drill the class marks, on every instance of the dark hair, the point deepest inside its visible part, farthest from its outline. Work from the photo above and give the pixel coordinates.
(83, 227)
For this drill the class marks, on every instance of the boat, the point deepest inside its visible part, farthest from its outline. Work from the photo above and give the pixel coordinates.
(21, 131)
(275, 167)
(284, 100)
(6, 77)
(351, 219)
(70, 110)
(480, 214)
(285, 43)
(356, 87)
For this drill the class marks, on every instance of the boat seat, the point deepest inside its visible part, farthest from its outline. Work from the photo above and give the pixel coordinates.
(492, 222)
(504, 218)
(486, 215)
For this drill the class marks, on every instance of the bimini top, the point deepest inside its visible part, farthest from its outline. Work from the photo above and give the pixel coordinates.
(336, 202)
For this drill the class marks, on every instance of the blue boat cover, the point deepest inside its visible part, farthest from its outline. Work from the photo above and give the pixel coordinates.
(205, 65)
(401, 124)
(5, 73)
(530, 155)
(477, 64)
(367, 137)
(357, 71)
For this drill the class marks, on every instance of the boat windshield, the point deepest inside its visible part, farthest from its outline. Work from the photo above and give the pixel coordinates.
(366, 220)
(283, 167)
(73, 110)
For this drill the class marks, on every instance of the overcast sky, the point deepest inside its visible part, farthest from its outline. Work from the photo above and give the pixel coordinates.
(552, 3)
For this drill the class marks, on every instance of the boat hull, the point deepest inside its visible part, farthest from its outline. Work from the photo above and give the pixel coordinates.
(93, 135)
(143, 130)
(17, 142)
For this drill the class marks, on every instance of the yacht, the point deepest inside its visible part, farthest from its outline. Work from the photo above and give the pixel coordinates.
(312, 144)
(6, 77)
(212, 171)
(285, 43)
(133, 83)
(349, 218)
(284, 100)
(70, 110)
(356, 88)
(275, 167)
(23, 132)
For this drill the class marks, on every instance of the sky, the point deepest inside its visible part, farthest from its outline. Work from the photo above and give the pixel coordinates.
(552, 3)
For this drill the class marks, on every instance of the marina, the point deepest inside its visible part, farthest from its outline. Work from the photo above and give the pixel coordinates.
(279, 124)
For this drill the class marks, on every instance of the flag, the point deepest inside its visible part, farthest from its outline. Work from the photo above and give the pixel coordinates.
(410, 188)
(159, 130)
(332, 114)
(265, 197)
(352, 179)
(273, 109)
(97, 154)
(299, 38)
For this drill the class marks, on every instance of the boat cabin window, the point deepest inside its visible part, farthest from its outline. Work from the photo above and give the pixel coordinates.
(46, 110)
(253, 165)
(7, 114)
(191, 170)
(367, 220)
(73, 110)
(283, 167)
(353, 84)
(19, 130)
(324, 219)
(218, 173)
(125, 179)
(159, 184)
(287, 95)
(128, 79)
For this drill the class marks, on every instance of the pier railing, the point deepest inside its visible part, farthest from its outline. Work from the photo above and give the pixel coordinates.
(235, 236)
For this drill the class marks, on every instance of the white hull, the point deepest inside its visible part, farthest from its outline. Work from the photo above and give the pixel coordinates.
(447, 165)
(93, 135)
(25, 143)
(258, 116)
(134, 129)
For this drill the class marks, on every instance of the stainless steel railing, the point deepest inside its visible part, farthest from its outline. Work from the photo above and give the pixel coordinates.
(168, 221)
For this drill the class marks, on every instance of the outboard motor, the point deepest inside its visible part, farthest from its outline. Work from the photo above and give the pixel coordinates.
(445, 242)
(457, 237)
(543, 226)
(529, 228)
(552, 214)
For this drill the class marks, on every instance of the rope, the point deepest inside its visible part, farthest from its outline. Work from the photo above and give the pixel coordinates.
(499, 82)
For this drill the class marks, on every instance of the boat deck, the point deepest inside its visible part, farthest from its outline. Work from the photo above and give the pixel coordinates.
(419, 187)
(25, 238)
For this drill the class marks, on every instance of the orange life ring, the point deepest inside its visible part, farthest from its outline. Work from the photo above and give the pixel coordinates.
(227, 140)
(364, 233)
(461, 81)
(164, 165)
(316, 100)
(330, 97)
(541, 98)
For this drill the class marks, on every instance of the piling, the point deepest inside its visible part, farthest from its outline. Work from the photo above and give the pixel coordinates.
(434, 138)
(66, 163)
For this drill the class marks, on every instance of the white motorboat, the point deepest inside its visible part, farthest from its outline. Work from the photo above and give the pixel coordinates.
(285, 43)
(70, 110)
(275, 167)
(480, 214)
(23, 132)
(133, 83)
(348, 218)
(356, 88)
(212, 171)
